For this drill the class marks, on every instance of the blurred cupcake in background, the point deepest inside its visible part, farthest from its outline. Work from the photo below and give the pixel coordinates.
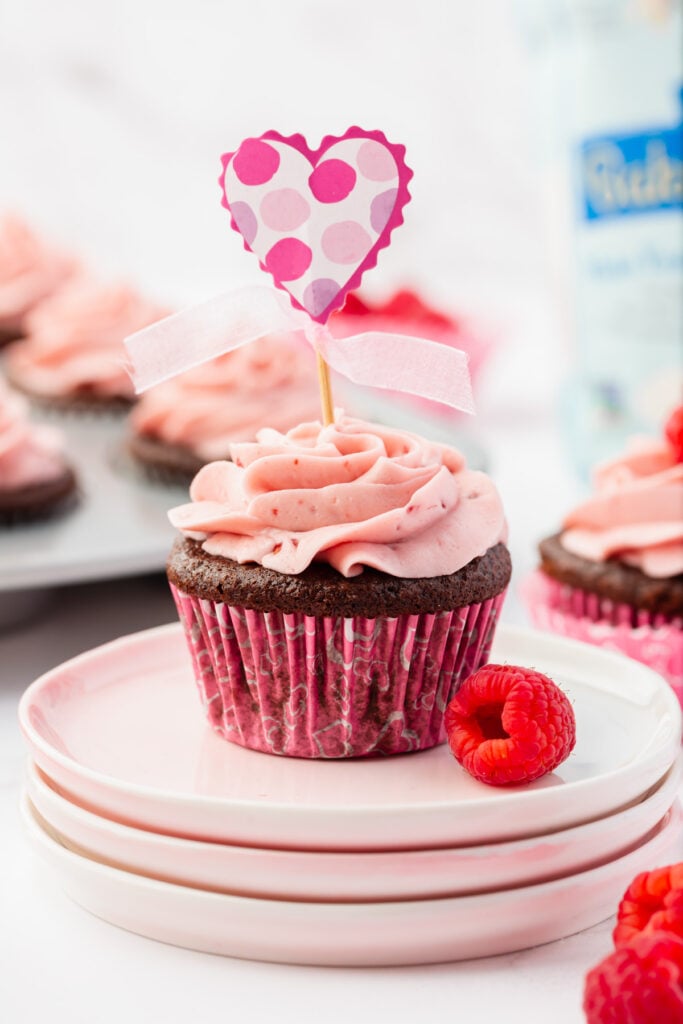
(73, 356)
(30, 271)
(184, 423)
(405, 312)
(613, 575)
(35, 479)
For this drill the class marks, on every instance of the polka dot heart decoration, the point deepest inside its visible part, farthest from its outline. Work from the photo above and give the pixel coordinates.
(316, 219)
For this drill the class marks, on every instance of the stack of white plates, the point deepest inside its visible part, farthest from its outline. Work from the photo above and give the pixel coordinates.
(156, 824)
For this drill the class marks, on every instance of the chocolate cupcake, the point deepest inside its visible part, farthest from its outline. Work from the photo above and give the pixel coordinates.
(179, 426)
(30, 271)
(614, 574)
(36, 482)
(72, 357)
(336, 585)
(613, 582)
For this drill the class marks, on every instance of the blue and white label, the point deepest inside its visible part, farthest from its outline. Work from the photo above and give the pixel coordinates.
(632, 174)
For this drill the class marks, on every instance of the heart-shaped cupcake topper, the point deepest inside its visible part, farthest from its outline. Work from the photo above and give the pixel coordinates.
(316, 219)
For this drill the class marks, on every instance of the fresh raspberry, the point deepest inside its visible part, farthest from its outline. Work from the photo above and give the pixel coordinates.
(641, 983)
(674, 432)
(508, 724)
(653, 902)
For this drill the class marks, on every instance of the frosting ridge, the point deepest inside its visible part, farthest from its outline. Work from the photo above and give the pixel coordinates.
(352, 494)
(29, 454)
(230, 398)
(30, 270)
(75, 340)
(636, 513)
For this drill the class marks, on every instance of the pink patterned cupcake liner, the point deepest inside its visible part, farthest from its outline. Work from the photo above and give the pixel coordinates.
(652, 639)
(332, 687)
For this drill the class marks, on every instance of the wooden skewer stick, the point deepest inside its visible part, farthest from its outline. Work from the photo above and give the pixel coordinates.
(325, 390)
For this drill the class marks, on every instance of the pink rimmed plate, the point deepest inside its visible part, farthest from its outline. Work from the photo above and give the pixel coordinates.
(120, 730)
(331, 876)
(345, 934)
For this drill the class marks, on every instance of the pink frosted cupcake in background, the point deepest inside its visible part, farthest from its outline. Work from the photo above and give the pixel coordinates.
(30, 271)
(336, 584)
(36, 481)
(405, 312)
(177, 427)
(613, 575)
(73, 355)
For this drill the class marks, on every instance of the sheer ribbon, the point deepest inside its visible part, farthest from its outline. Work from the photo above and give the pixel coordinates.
(381, 360)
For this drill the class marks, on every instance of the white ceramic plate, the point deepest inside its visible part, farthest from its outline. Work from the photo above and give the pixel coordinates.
(121, 731)
(118, 528)
(329, 876)
(344, 934)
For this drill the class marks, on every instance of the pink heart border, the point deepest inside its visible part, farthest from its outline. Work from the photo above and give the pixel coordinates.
(299, 143)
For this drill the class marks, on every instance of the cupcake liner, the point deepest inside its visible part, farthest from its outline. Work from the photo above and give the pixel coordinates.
(652, 639)
(332, 687)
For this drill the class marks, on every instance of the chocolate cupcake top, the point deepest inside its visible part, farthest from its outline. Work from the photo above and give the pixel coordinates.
(352, 494)
(636, 514)
(29, 454)
(74, 342)
(30, 270)
(271, 380)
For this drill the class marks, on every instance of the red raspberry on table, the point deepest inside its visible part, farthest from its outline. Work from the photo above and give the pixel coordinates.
(508, 725)
(653, 902)
(641, 983)
(673, 430)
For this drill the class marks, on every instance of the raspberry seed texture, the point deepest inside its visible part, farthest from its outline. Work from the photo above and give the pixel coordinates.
(640, 983)
(652, 902)
(508, 725)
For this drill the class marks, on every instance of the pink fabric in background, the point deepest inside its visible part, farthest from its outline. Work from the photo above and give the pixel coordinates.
(308, 686)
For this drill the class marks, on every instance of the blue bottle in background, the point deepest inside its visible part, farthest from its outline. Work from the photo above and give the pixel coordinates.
(609, 78)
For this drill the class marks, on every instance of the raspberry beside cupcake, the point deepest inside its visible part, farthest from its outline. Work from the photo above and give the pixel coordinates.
(179, 426)
(336, 584)
(73, 355)
(35, 478)
(30, 271)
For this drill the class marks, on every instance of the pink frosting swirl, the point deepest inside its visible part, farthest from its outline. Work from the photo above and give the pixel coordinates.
(230, 398)
(636, 514)
(352, 494)
(29, 454)
(30, 270)
(75, 340)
